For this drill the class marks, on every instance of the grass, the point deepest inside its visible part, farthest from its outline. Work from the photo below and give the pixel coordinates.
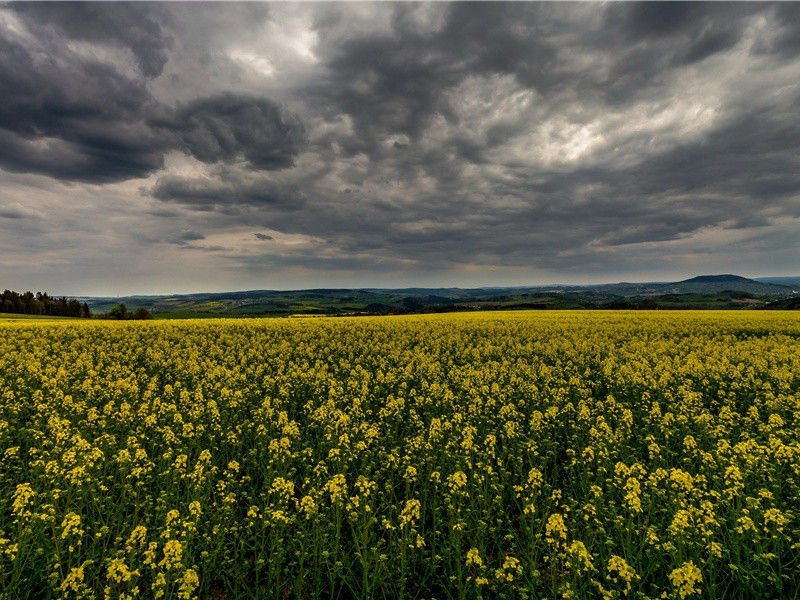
(18, 317)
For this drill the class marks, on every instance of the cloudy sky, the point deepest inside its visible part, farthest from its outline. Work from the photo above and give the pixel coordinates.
(150, 148)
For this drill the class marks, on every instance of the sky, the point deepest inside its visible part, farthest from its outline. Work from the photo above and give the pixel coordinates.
(167, 148)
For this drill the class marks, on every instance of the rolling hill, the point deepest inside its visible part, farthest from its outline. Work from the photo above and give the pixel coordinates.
(705, 291)
(711, 284)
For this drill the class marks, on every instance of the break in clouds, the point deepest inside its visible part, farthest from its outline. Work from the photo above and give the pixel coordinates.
(173, 147)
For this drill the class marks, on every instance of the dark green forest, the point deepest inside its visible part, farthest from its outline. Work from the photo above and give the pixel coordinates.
(40, 303)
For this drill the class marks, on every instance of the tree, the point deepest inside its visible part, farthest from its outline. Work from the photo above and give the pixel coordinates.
(120, 311)
(141, 313)
(74, 308)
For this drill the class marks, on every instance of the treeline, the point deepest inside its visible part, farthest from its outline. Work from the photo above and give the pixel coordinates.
(121, 312)
(41, 303)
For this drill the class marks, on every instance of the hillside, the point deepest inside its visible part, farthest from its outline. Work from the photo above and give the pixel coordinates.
(711, 284)
(706, 291)
(791, 282)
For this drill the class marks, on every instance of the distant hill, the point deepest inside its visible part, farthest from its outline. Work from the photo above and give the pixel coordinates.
(792, 282)
(711, 284)
(705, 291)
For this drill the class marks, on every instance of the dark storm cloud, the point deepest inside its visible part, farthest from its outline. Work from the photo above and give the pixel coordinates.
(135, 26)
(377, 137)
(735, 179)
(224, 127)
(394, 82)
(229, 190)
(679, 33)
(72, 119)
(76, 118)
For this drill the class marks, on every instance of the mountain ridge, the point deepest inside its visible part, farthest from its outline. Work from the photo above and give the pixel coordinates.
(706, 284)
(715, 278)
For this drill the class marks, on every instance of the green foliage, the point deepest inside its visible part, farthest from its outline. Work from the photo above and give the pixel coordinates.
(141, 314)
(121, 312)
(41, 304)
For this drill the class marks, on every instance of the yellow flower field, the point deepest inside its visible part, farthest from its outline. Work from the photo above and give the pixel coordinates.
(496, 455)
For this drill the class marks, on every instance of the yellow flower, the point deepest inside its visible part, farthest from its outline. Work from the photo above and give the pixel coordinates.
(474, 558)
(137, 537)
(619, 569)
(173, 555)
(457, 481)
(579, 557)
(189, 582)
(71, 525)
(410, 513)
(74, 579)
(633, 490)
(556, 530)
(686, 579)
(21, 499)
(308, 505)
(511, 568)
(337, 488)
(119, 572)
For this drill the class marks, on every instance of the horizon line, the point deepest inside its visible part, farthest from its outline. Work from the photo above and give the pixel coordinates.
(410, 287)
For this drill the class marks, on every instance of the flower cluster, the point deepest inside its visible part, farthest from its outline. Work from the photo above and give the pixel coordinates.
(499, 455)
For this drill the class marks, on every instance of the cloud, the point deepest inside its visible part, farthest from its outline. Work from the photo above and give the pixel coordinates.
(183, 238)
(228, 189)
(70, 118)
(130, 25)
(75, 117)
(225, 127)
(11, 214)
(423, 140)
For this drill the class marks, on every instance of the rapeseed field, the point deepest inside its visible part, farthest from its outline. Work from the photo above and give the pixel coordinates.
(495, 455)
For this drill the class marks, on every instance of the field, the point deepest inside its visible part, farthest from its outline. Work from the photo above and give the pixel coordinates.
(571, 454)
(20, 317)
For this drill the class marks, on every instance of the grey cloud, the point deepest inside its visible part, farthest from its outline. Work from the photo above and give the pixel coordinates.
(75, 118)
(224, 127)
(133, 25)
(229, 191)
(212, 248)
(167, 214)
(423, 141)
(709, 43)
(660, 18)
(72, 119)
(787, 23)
(394, 82)
(182, 239)
(311, 260)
